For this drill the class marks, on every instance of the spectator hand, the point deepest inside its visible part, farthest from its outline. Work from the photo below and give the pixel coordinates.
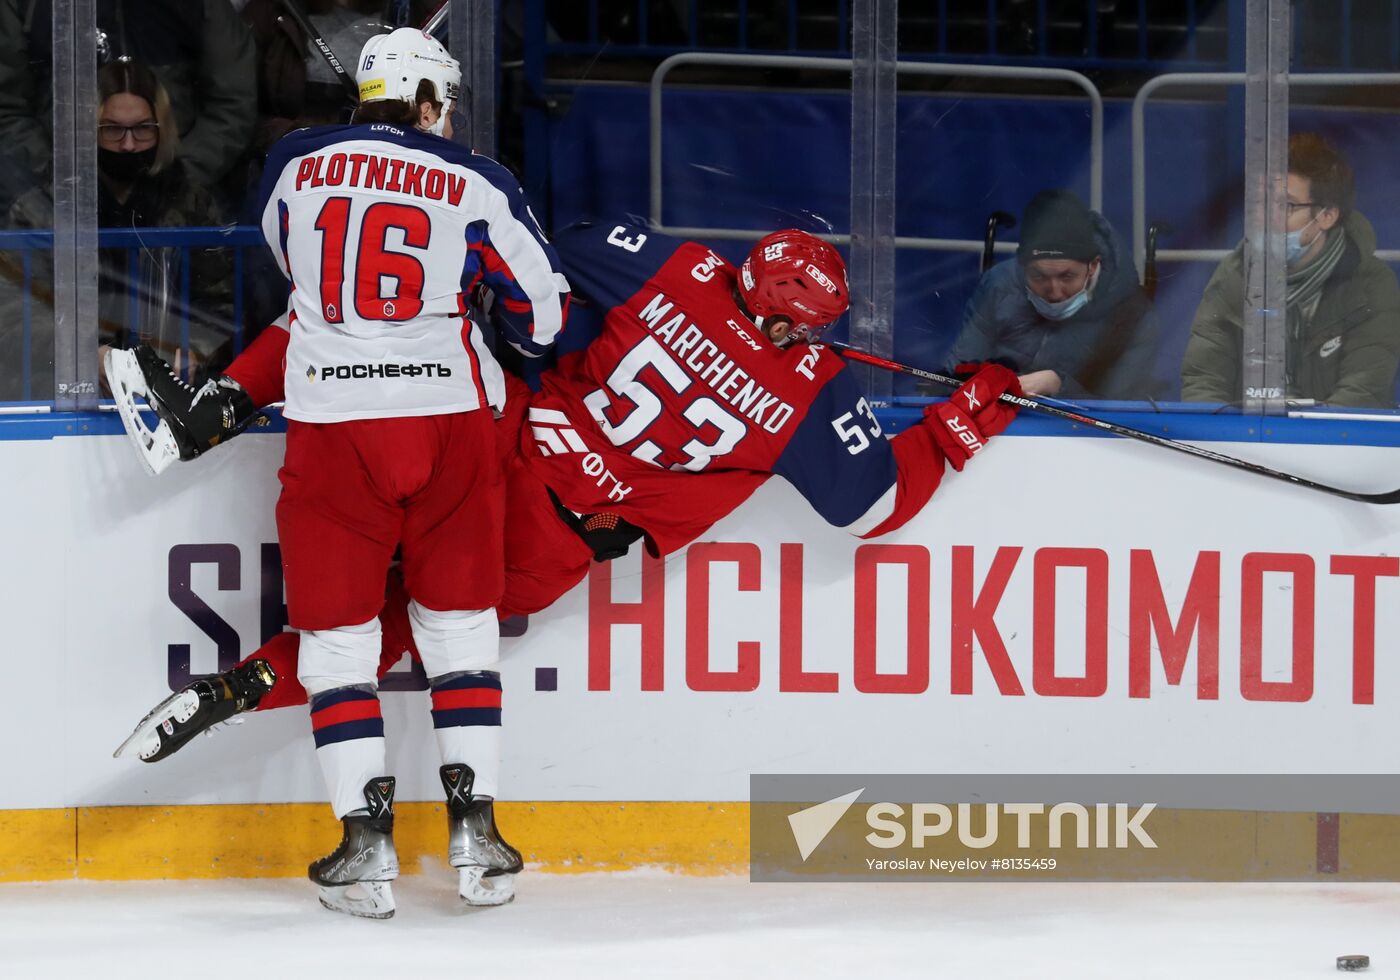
(975, 412)
(1041, 383)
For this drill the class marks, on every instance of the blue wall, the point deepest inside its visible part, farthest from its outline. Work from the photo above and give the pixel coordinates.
(764, 160)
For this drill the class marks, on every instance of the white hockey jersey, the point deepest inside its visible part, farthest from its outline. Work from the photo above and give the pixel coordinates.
(383, 232)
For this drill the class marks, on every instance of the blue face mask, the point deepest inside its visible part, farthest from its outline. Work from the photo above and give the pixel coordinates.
(1065, 308)
(1294, 247)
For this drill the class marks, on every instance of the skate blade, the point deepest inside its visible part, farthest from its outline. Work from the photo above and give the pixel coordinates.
(480, 891)
(366, 899)
(156, 447)
(145, 741)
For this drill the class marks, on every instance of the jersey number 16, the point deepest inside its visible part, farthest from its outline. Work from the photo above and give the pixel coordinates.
(373, 260)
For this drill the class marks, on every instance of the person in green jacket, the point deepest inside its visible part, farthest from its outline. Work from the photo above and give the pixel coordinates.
(1343, 303)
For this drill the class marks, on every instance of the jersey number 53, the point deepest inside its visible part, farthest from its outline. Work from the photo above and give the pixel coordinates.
(626, 384)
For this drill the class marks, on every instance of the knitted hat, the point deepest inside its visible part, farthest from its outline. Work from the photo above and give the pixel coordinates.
(1057, 225)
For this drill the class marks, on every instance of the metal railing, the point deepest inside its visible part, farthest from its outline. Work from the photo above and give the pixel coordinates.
(1211, 79)
(239, 238)
(975, 245)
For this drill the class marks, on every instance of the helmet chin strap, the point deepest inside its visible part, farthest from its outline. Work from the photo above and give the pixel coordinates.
(799, 334)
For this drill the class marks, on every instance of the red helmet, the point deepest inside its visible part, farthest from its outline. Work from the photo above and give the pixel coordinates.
(798, 276)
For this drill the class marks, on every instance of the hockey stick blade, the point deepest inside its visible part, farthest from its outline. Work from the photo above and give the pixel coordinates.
(860, 356)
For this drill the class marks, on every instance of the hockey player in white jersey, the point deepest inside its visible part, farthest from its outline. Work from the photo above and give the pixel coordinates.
(382, 228)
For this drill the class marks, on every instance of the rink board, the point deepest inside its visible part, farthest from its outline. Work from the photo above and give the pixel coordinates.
(1030, 620)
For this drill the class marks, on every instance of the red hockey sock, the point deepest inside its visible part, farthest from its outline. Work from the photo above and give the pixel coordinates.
(281, 650)
(281, 653)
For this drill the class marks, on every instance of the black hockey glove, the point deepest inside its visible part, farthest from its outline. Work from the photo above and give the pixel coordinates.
(606, 534)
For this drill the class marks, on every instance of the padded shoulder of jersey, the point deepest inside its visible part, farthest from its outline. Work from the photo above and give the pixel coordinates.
(606, 263)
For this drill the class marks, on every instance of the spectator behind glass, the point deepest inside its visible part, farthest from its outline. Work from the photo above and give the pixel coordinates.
(199, 49)
(1343, 304)
(142, 183)
(1067, 314)
(296, 87)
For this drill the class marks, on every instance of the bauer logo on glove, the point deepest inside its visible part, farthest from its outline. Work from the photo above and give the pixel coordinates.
(961, 434)
(964, 434)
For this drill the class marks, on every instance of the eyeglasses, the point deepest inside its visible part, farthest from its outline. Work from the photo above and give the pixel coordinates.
(1292, 207)
(142, 133)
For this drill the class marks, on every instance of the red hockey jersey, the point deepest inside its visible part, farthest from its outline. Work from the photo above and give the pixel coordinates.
(680, 408)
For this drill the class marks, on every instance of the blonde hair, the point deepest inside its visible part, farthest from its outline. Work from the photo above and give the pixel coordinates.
(136, 79)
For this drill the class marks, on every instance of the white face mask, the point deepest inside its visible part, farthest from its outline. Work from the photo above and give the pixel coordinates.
(1294, 249)
(1065, 308)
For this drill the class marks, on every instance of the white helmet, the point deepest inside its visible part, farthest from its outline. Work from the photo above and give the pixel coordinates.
(391, 66)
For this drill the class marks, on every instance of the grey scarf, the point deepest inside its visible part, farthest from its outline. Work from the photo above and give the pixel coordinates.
(1305, 291)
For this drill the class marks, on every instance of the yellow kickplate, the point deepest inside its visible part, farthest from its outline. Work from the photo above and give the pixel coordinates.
(37, 845)
(254, 841)
(279, 840)
(692, 838)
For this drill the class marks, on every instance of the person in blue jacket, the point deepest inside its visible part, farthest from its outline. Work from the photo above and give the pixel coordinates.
(1067, 314)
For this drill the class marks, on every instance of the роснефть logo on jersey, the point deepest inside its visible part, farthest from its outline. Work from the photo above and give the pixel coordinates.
(345, 372)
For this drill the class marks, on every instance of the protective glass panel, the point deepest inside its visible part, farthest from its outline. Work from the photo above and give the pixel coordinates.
(1043, 218)
(713, 122)
(26, 204)
(187, 108)
(1342, 323)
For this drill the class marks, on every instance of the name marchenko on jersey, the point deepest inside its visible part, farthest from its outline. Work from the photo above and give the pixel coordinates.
(728, 381)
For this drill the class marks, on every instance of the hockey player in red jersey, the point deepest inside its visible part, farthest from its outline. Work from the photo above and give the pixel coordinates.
(381, 226)
(703, 381)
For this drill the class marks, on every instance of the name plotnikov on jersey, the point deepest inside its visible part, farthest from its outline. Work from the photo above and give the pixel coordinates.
(372, 171)
(728, 381)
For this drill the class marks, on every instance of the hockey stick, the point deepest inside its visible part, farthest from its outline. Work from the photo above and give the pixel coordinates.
(855, 354)
(352, 91)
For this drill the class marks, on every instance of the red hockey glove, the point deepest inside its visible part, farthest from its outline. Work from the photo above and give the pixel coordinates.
(975, 412)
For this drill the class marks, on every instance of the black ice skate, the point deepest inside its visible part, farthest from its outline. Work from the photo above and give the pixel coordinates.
(486, 865)
(355, 877)
(191, 420)
(197, 708)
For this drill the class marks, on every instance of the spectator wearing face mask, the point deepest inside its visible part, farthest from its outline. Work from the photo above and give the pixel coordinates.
(1342, 342)
(142, 183)
(1067, 314)
(199, 49)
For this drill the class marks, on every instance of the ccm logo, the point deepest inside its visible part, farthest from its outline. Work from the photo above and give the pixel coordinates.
(965, 434)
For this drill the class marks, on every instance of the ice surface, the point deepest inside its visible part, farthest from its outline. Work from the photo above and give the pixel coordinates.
(653, 925)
